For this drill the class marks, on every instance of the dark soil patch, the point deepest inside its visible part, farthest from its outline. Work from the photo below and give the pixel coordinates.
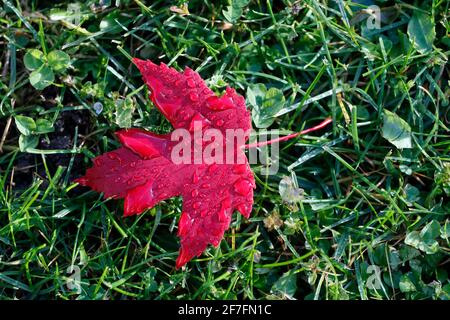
(27, 166)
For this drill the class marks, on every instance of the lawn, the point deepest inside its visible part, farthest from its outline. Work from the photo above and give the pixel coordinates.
(357, 210)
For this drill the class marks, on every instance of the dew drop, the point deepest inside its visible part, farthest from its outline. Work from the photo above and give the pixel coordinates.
(223, 215)
(239, 168)
(220, 122)
(226, 203)
(243, 209)
(194, 193)
(191, 83)
(195, 178)
(243, 187)
(114, 156)
(193, 97)
(212, 168)
(98, 108)
(196, 205)
(219, 104)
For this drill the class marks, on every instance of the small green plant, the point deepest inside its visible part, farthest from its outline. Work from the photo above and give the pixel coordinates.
(30, 130)
(265, 103)
(43, 67)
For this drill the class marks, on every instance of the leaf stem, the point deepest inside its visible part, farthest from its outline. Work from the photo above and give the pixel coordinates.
(321, 125)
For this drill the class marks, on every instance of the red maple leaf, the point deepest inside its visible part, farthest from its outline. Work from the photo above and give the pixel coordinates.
(144, 172)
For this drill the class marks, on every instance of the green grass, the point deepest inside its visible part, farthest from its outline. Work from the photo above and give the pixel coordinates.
(367, 206)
